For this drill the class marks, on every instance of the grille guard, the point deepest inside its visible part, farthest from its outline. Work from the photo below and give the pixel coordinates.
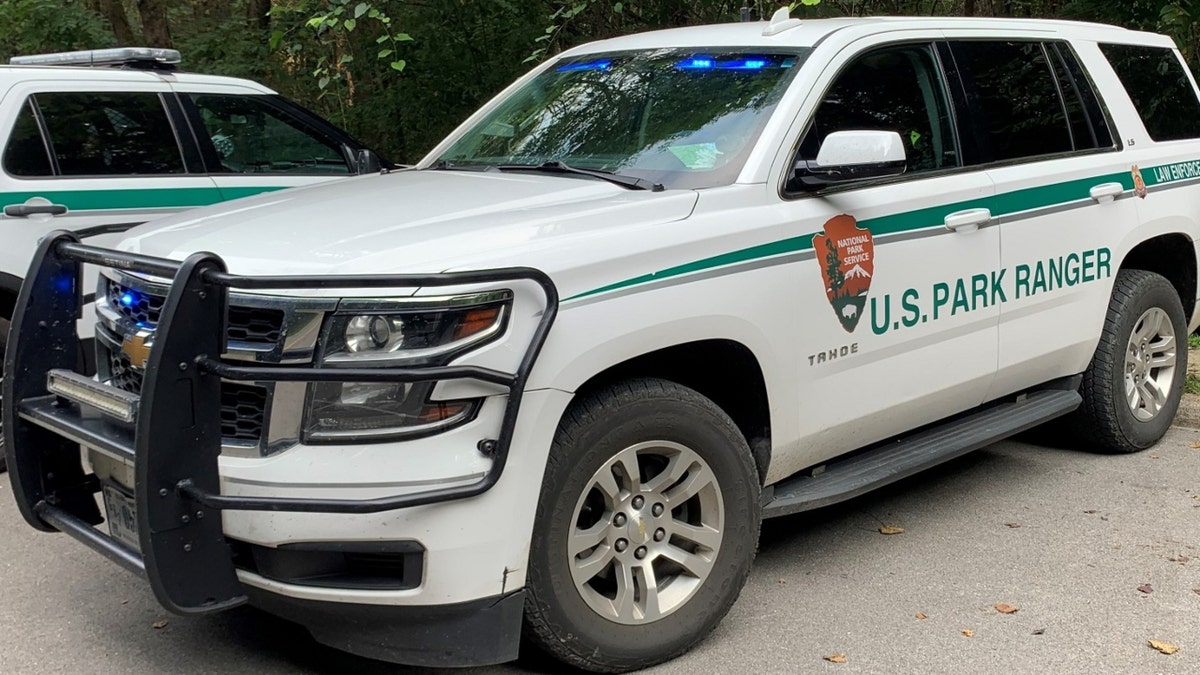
(176, 442)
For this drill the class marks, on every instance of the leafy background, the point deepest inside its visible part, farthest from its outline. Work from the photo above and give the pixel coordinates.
(400, 74)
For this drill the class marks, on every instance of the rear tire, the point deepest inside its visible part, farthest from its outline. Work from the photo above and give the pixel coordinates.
(645, 530)
(1132, 388)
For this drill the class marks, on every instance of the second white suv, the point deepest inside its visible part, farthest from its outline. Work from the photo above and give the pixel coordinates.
(100, 141)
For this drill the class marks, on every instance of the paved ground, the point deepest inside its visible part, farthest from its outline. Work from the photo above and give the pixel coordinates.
(1091, 531)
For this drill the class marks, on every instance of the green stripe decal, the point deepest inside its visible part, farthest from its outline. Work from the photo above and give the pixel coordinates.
(1000, 205)
(142, 198)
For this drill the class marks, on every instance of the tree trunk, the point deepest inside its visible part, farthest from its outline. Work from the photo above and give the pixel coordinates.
(154, 23)
(968, 7)
(114, 12)
(257, 11)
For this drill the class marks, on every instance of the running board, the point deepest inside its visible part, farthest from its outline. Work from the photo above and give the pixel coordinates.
(848, 478)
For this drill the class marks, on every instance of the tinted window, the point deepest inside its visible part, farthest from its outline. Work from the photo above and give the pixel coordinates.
(894, 89)
(102, 134)
(249, 135)
(26, 154)
(1089, 124)
(1159, 88)
(1014, 99)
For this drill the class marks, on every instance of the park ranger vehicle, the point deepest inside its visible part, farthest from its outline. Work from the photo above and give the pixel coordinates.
(547, 383)
(102, 140)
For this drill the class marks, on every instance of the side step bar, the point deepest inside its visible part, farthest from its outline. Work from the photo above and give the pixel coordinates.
(876, 467)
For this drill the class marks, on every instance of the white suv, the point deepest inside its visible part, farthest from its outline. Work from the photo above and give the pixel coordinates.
(550, 380)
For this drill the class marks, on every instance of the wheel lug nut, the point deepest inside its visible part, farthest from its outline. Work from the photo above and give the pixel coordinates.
(657, 510)
(621, 545)
(619, 520)
(640, 552)
(638, 502)
(660, 534)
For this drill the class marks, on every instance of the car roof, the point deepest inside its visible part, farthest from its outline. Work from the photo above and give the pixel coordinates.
(10, 74)
(810, 33)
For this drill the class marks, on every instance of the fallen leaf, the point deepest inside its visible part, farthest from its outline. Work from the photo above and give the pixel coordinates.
(1196, 591)
(1179, 559)
(1154, 456)
(1145, 588)
(1090, 511)
(782, 582)
(1005, 609)
(891, 529)
(1196, 444)
(1012, 525)
(1039, 631)
(921, 616)
(1164, 647)
(159, 625)
(125, 602)
(835, 658)
(968, 632)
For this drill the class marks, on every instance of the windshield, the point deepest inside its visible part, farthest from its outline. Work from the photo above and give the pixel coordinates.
(686, 119)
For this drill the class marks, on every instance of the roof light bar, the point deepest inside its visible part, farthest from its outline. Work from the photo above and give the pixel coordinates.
(101, 57)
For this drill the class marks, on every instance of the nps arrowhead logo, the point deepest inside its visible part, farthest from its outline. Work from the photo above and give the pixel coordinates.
(846, 258)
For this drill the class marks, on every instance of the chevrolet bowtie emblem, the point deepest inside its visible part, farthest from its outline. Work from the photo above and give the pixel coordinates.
(136, 348)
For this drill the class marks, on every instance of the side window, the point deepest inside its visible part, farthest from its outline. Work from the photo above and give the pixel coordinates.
(1160, 90)
(26, 154)
(1089, 123)
(891, 89)
(1014, 99)
(249, 135)
(109, 134)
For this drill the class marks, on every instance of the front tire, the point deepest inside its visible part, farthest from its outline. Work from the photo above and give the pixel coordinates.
(646, 527)
(1132, 388)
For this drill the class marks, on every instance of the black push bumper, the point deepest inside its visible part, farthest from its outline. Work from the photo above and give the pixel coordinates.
(175, 441)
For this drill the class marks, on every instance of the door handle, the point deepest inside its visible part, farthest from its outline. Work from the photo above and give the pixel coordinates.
(26, 210)
(967, 221)
(1106, 192)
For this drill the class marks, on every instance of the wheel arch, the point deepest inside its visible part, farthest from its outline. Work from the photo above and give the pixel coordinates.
(1172, 255)
(723, 370)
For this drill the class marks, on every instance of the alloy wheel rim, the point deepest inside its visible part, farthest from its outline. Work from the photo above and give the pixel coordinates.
(1150, 364)
(646, 532)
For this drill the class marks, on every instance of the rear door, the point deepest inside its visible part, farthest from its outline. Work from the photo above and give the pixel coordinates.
(1064, 197)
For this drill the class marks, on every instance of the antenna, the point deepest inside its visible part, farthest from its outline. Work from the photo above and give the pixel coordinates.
(780, 21)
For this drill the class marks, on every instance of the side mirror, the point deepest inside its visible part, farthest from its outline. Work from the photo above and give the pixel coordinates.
(847, 156)
(366, 161)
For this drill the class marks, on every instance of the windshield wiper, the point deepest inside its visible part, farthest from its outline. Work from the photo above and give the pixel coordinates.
(629, 182)
(447, 165)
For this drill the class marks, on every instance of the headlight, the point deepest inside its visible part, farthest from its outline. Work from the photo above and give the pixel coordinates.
(414, 336)
(349, 412)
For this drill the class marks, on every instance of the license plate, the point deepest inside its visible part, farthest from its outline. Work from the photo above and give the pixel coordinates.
(122, 516)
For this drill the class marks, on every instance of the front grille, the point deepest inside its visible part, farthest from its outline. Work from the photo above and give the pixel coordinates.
(122, 374)
(243, 406)
(256, 325)
(242, 409)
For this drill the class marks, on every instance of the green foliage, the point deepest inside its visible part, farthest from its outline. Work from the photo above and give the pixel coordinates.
(401, 74)
(33, 26)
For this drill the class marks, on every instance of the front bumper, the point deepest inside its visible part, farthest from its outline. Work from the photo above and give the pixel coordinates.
(174, 446)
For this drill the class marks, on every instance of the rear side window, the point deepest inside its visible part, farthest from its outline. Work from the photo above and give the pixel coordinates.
(26, 154)
(110, 134)
(1014, 99)
(1159, 88)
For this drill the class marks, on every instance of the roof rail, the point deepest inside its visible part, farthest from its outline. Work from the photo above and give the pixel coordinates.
(129, 57)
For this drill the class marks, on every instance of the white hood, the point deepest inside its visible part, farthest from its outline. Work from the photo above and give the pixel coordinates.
(417, 222)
